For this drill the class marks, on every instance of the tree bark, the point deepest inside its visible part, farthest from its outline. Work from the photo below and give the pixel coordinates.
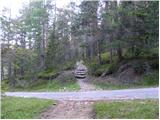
(2, 70)
(119, 52)
(99, 52)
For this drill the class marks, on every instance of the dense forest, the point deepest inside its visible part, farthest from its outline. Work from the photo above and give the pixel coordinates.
(108, 36)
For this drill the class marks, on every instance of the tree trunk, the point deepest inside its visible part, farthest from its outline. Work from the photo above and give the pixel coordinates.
(111, 55)
(99, 52)
(22, 68)
(10, 74)
(111, 52)
(2, 71)
(42, 49)
(119, 52)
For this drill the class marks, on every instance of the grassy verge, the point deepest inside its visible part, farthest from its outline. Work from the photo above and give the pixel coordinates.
(64, 82)
(109, 86)
(53, 85)
(137, 109)
(23, 108)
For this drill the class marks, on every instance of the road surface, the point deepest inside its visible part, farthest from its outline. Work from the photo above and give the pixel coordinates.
(142, 93)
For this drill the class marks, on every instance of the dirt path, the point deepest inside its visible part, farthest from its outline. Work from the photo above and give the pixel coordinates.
(69, 110)
(72, 109)
(85, 86)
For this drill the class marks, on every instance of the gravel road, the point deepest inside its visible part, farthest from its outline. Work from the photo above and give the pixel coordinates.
(142, 93)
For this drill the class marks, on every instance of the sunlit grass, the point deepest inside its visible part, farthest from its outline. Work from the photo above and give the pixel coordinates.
(23, 108)
(136, 109)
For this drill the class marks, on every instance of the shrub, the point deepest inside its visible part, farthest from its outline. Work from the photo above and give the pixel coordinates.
(98, 69)
(69, 66)
(154, 63)
(139, 67)
(48, 74)
(99, 72)
(4, 85)
(105, 58)
(67, 78)
(93, 66)
(112, 67)
(151, 78)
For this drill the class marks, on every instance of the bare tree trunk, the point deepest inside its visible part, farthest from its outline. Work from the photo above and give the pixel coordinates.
(119, 52)
(98, 52)
(111, 52)
(10, 73)
(42, 49)
(111, 55)
(23, 45)
(2, 71)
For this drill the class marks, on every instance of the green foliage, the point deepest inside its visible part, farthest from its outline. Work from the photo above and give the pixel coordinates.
(154, 63)
(69, 66)
(105, 57)
(152, 53)
(106, 85)
(52, 85)
(40, 35)
(23, 108)
(48, 74)
(4, 86)
(97, 69)
(136, 109)
(150, 79)
(139, 67)
(62, 83)
(112, 67)
(145, 54)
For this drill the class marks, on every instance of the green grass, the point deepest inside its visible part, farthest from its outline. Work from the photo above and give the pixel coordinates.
(56, 85)
(110, 86)
(23, 108)
(151, 78)
(53, 85)
(136, 109)
(64, 82)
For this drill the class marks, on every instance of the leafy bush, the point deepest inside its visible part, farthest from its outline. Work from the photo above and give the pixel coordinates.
(97, 69)
(112, 67)
(139, 67)
(48, 74)
(151, 53)
(93, 66)
(105, 57)
(67, 78)
(4, 85)
(151, 78)
(69, 66)
(145, 54)
(154, 63)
